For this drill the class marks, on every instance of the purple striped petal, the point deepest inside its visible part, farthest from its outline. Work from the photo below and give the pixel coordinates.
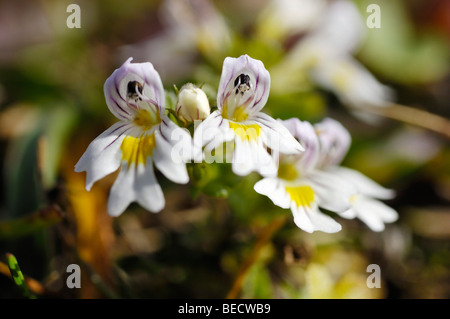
(254, 96)
(131, 86)
(334, 141)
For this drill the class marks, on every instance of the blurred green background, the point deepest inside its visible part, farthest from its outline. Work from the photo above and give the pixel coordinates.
(216, 237)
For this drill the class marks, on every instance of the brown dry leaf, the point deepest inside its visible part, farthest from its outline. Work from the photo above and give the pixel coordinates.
(94, 235)
(17, 120)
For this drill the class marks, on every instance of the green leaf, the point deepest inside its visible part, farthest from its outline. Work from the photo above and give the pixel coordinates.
(398, 52)
(30, 224)
(22, 175)
(258, 283)
(58, 127)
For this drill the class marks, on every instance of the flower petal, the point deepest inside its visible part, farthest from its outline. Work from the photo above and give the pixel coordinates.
(324, 222)
(301, 218)
(334, 141)
(103, 155)
(242, 163)
(349, 213)
(135, 183)
(363, 184)
(252, 156)
(173, 150)
(129, 81)
(374, 213)
(234, 71)
(304, 132)
(148, 191)
(333, 193)
(213, 131)
(353, 84)
(341, 27)
(274, 189)
(310, 219)
(277, 136)
(122, 193)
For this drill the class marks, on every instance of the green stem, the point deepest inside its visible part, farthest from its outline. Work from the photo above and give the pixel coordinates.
(18, 277)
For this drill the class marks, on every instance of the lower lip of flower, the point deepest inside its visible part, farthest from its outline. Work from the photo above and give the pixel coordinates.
(302, 195)
(135, 150)
(249, 132)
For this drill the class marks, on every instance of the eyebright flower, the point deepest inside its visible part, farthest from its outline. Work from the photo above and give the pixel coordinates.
(143, 137)
(243, 91)
(303, 188)
(192, 103)
(365, 204)
(314, 180)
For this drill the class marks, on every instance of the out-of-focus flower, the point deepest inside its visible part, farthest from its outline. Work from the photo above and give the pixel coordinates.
(283, 18)
(364, 202)
(314, 179)
(189, 27)
(326, 55)
(243, 92)
(199, 20)
(192, 103)
(143, 137)
(352, 83)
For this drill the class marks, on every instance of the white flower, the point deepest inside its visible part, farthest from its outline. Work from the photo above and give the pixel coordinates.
(314, 179)
(243, 91)
(335, 142)
(143, 137)
(303, 188)
(352, 83)
(326, 55)
(192, 103)
(283, 18)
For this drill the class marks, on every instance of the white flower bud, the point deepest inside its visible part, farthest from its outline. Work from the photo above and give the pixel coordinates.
(192, 103)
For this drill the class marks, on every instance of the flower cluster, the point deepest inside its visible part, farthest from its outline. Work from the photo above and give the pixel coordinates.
(299, 162)
(314, 180)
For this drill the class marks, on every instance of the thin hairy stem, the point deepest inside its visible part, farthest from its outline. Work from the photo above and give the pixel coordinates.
(414, 116)
(263, 238)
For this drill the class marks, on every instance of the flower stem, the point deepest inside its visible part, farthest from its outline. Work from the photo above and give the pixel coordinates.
(264, 237)
(17, 276)
(414, 117)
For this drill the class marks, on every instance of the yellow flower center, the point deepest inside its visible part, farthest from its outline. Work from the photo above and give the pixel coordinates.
(137, 149)
(301, 195)
(239, 114)
(249, 132)
(287, 171)
(353, 199)
(146, 119)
